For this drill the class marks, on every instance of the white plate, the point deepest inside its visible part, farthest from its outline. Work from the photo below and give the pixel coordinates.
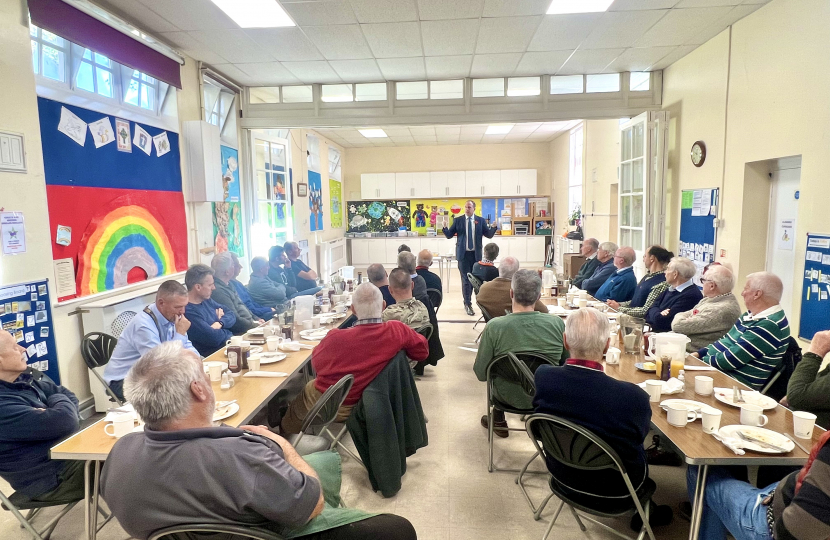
(314, 335)
(755, 398)
(271, 357)
(223, 365)
(226, 412)
(688, 404)
(256, 331)
(765, 435)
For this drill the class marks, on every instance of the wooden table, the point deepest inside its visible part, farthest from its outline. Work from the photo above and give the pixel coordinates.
(93, 445)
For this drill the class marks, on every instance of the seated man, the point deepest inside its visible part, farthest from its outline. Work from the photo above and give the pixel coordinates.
(161, 321)
(619, 412)
(494, 296)
(525, 330)
(621, 284)
(650, 287)
(406, 261)
(263, 289)
(681, 295)
(182, 469)
(589, 251)
(377, 277)
(424, 262)
(278, 274)
(404, 247)
(362, 350)
(809, 387)
(754, 346)
(713, 316)
(305, 279)
(794, 508)
(35, 414)
(209, 324)
(406, 309)
(485, 270)
(258, 310)
(605, 268)
(226, 296)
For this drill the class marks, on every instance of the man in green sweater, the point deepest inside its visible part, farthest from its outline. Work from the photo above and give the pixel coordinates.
(809, 388)
(523, 331)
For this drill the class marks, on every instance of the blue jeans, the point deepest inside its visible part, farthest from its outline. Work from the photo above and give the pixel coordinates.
(731, 506)
(307, 292)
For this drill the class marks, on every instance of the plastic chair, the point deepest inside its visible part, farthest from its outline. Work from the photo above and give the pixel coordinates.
(485, 317)
(321, 415)
(120, 323)
(559, 440)
(220, 532)
(96, 350)
(776, 386)
(436, 297)
(425, 330)
(475, 282)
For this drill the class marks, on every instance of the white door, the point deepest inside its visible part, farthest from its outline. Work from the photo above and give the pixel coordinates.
(509, 182)
(386, 186)
(633, 188)
(360, 251)
(527, 182)
(474, 180)
(491, 183)
(438, 184)
(272, 189)
(420, 185)
(780, 248)
(456, 184)
(369, 186)
(403, 185)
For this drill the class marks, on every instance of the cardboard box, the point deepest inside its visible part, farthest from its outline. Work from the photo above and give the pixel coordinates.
(572, 262)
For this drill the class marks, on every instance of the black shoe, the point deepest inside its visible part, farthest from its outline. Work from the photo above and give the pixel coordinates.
(660, 456)
(469, 309)
(660, 516)
(685, 510)
(499, 427)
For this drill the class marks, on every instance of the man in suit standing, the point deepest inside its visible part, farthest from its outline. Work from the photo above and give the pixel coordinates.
(469, 228)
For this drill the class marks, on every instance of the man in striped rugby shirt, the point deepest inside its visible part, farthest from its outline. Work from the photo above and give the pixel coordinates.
(755, 345)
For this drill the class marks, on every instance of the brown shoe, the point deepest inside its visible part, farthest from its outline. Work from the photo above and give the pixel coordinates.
(499, 427)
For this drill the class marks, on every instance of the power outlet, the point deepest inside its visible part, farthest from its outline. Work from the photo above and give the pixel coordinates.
(723, 254)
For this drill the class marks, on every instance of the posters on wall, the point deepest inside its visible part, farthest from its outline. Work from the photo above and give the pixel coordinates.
(230, 173)
(122, 132)
(335, 205)
(424, 212)
(72, 126)
(24, 313)
(102, 132)
(379, 216)
(227, 215)
(14, 233)
(315, 201)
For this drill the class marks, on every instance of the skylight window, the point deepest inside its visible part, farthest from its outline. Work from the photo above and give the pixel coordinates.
(373, 133)
(498, 129)
(564, 7)
(255, 13)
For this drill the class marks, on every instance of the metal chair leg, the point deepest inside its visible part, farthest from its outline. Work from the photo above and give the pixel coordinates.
(576, 517)
(553, 521)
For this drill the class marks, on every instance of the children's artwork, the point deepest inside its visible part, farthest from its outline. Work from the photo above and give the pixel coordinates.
(230, 173)
(161, 143)
(122, 135)
(63, 235)
(427, 211)
(40, 316)
(315, 201)
(13, 232)
(378, 216)
(44, 331)
(72, 126)
(335, 203)
(227, 227)
(143, 140)
(102, 132)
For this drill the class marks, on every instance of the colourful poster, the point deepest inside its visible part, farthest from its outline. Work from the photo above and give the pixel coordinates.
(315, 201)
(230, 173)
(227, 215)
(378, 216)
(335, 203)
(424, 212)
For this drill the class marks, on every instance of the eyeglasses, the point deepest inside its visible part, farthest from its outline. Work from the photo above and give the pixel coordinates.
(704, 280)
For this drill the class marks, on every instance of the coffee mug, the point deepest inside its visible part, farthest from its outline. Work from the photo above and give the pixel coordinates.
(121, 424)
(315, 322)
(704, 385)
(654, 389)
(751, 415)
(711, 420)
(273, 342)
(562, 301)
(308, 324)
(340, 308)
(235, 340)
(679, 416)
(803, 423)
(253, 362)
(583, 295)
(215, 372)
(582, 302)
(612, 356)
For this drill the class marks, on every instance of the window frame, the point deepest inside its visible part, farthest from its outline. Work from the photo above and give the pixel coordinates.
(576, 148)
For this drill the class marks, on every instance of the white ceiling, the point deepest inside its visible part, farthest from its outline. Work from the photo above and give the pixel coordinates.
(375, 40)
(529, 132)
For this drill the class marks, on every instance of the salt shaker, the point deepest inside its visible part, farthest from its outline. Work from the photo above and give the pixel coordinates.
(226, 383)
(681, 376)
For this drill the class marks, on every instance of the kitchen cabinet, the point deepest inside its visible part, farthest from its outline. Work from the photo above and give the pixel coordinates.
(527, 182)
(412, 185)
(377, 186)
(518, 182)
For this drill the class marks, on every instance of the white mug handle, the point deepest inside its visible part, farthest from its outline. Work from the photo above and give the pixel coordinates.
(107, 431)
(651, 347)
(691, 417)
(765, 420)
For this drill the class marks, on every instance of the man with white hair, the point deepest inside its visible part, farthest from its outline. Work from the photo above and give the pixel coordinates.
(256, 309)
(379, 278)
(424, 262)
(182, 469)
(362, 350)
(604, 270)
(754, 347)
(713, 316)
(494, 296)
(621, 284)
(225, 294)
(681, 295)
(619, 411)
(265, 290)
(589, 251)
(406, 261)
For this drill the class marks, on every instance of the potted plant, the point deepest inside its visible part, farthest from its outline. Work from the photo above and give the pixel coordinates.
(576, 216)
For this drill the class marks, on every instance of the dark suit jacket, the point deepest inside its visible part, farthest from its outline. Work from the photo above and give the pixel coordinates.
(585, 272)
(459, 228)
(431, 279)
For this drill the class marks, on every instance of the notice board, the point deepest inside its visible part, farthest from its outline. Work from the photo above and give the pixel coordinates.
(815, 294)
(698, 211)
(26, 314)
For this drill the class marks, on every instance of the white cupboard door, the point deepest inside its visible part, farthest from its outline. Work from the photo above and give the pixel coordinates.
(430, 243)
(509, 182)
(377, 250)
(403, 185)
(536, 248)
(518, 248)
(474, 181)
(438, 184)
(456, 184)
(420, 185)
(491, 183)
(526, 182)
(360, 252)
(391, 257)
(369, 186)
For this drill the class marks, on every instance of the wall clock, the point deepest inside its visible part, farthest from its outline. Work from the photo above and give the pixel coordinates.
(698, 153)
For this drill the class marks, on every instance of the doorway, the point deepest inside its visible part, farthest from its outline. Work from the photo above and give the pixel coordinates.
(785, 179)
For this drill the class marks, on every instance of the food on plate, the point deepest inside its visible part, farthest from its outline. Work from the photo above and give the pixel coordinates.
(649, 365)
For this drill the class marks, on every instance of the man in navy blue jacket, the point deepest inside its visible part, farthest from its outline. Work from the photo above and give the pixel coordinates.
(35, 414)
(605, 256)
(621, 284)
(682, 295)
(209, 322)
(263, 312)
(469, 229)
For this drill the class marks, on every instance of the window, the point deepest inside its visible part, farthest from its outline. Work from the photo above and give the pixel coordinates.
(140, 90)
(265, 94)
(334, 163)
(523, 86)
(639, 81)
(566, 84)
(446, 89)
(632, 185)
(336, 93)
(607, 82)
(49, 54)
(94, 73)
(370, 92)
(412, 90)
(273, 189)
(488, 87)
(575, 172)
(297, 94)
(313, 154)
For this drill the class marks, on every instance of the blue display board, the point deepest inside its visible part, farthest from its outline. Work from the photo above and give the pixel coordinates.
(26, 314)
(815, 294)
(697, 231)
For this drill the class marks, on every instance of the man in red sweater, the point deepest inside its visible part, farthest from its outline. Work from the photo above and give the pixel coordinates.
(362, 351)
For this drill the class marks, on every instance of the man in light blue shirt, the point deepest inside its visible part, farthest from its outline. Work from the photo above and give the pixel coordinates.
(161, 321)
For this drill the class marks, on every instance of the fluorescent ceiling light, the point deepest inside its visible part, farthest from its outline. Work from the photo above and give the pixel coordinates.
(255, 13)
(562, 7)
(372, 133)
(498, 129)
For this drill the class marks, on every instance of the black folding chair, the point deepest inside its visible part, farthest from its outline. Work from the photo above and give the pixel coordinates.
(213, 531)
(475, 282)
(17, 502)
(485, 316)
(561, 441)
(320, 417)
(436, 297)
(96, 350)
(776, 385)
(425, 330)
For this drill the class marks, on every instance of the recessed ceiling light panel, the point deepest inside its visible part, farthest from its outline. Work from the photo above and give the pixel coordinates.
(498, 129)
(563, 7)
(372, 133)
(255, 13)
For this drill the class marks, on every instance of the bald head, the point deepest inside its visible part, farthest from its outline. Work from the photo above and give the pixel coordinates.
(624, 257)
(367, 301)
(508, 267)
(377, 275)
(762, 291)
(425, 257)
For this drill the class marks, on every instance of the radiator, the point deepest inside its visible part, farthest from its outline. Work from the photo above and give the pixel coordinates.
(331, 256)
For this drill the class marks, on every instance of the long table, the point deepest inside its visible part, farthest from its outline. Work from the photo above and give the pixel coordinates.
(93, 445)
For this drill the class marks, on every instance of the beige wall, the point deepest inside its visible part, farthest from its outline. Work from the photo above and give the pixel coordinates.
(559, 167)
(448, 158)
(602, 159)
(778, 90)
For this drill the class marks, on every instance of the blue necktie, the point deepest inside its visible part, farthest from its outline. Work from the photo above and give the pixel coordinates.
(470, 246)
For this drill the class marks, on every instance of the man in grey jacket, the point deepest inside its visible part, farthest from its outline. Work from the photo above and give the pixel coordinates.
(226, 295)
(263, 289)
(714, 315)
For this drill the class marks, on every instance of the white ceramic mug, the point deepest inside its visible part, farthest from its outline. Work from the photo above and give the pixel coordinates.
(704, 385)
(315, 322)
(121, 424)
(215, 371)
(562, 301)
(583, 295)
(583, 303)
(253, 362)
(803, 423)
(751, 415)
(235, 340)
(308, 324)
(273, 342)
(711, 420)
(679, 416)
(613, 339)
(654, 389)
(612, 356)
